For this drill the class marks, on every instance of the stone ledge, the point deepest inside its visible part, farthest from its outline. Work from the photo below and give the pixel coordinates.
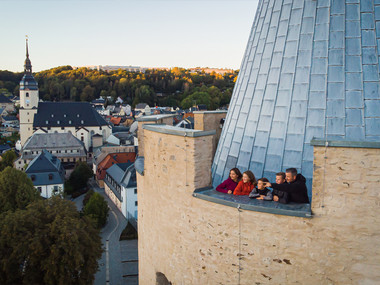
(338, 143)
(177, 131)
(210, 112)
(139, 165)
(246, 203)
(154, 117)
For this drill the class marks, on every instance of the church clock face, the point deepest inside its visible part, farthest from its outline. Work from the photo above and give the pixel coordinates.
(27, 101)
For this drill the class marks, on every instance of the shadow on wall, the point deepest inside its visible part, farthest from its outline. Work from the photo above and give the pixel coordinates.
(161, 279)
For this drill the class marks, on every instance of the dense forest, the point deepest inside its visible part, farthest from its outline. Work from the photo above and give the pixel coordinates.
(174, 87)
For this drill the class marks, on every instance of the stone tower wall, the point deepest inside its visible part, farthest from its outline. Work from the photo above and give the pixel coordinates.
(192, 241)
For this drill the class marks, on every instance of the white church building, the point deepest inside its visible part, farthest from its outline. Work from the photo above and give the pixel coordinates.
(79, 118)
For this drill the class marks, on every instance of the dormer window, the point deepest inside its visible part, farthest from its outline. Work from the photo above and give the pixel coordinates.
(78, 115)
(58, 122)
(50, 176)
(70, 122)
(47, 122)
(64, 115)
(81, 121)
(52, 115)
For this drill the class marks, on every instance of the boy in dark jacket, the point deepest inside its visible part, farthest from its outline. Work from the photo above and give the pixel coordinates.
(279, 196)
(260, 192)
(295, 186)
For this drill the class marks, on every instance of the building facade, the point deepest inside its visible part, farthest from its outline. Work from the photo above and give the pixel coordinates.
(63, 145)
(79, 118)
(28, 100)
(121, 187)
(47, 174)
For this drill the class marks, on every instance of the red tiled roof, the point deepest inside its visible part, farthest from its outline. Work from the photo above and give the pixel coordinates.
(115, 121)
(111, 159)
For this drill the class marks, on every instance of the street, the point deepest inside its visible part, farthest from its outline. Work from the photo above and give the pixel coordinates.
(118, 264)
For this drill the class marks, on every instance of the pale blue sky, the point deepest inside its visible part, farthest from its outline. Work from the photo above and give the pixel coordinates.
(155, 33)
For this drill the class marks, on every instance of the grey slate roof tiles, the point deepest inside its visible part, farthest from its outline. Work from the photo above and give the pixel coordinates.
(66, 114)
(52, 140)
(46, 169)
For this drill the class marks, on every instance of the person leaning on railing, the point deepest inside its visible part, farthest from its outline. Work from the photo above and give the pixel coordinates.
(295, 187)
(228, 186)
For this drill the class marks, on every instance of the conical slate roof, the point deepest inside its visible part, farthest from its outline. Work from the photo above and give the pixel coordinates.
(310, 70)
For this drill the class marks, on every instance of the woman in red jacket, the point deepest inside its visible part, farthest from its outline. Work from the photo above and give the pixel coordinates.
(246, 185)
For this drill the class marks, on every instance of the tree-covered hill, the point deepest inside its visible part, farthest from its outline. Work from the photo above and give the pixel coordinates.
(174, 87)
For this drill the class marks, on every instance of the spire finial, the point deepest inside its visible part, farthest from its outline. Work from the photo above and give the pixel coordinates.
(28, 64)
(27, 51)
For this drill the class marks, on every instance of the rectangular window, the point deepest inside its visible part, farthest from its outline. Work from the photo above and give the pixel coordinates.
(136, 203)
(135, 190)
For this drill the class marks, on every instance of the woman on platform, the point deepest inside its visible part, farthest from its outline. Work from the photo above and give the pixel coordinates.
(228, 186)
(247, 184)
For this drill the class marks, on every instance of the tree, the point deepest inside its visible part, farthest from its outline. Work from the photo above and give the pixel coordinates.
(7, 159)
(74, 94)
(16, 190)
(48, 243)
(197, 98)
(87, 94)
(144, 94)
(78, 178)
(97, 209)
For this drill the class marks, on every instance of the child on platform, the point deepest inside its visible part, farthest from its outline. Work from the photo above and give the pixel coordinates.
(280, 196)
(228, 186)
(261, 192)
(246, 185)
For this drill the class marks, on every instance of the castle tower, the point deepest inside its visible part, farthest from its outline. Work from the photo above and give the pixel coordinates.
(310, 70)
(28, 100)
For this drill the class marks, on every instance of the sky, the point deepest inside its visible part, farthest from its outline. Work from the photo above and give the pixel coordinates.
(148, 33)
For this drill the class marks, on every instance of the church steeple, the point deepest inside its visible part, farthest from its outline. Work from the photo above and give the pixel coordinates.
(28, 64)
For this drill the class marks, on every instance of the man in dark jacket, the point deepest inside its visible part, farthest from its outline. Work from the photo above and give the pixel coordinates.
(295, 188)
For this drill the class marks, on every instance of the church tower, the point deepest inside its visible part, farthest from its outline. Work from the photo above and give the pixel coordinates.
(28, 100)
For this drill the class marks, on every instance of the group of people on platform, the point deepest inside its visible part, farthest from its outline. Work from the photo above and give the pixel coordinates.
(289, 187)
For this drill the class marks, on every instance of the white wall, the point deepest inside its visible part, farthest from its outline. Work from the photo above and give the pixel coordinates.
(131, 200)
(47, 190)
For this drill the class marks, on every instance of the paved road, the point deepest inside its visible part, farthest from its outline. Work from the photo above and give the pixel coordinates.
(121, 255)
